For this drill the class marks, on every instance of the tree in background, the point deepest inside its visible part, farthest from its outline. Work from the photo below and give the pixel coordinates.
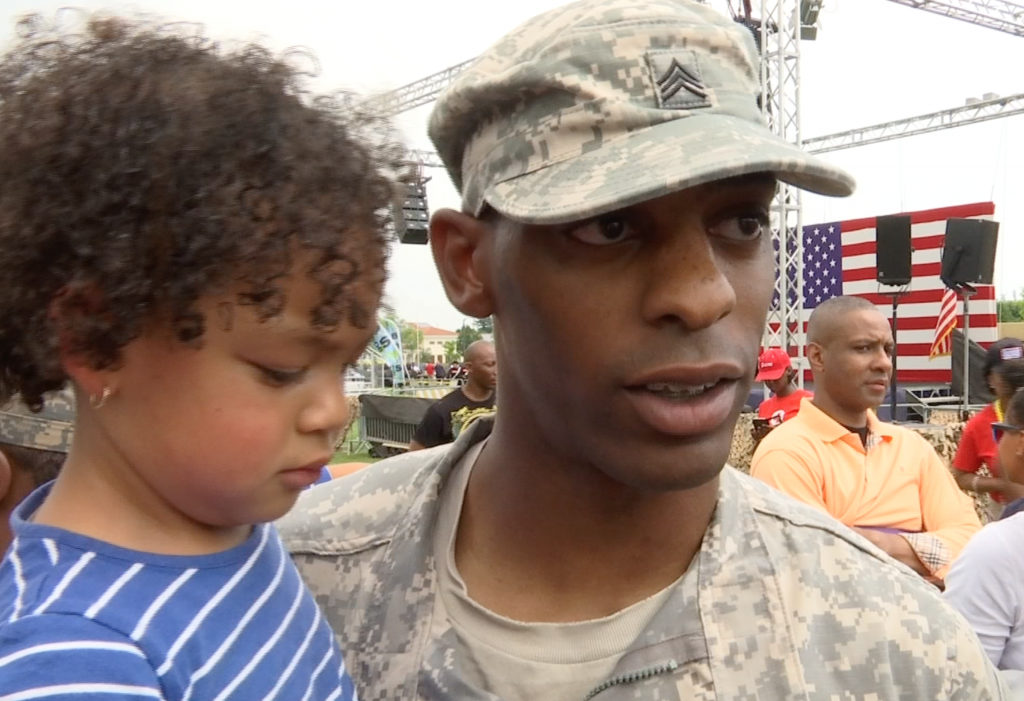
(412, 339)
(1010, 309)
(426, 357)
(451, 351)
(485, 325)
(467, 335)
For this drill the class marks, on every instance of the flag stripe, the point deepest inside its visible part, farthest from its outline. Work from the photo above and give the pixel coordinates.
(975, 210)
(839, 258)
(943, 343)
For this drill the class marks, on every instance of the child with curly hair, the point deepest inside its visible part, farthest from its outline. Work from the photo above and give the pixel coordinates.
(197, 246)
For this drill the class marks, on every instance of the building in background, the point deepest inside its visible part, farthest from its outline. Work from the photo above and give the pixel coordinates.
(435, 339)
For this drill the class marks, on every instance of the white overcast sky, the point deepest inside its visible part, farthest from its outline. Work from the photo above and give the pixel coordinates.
(873, 61)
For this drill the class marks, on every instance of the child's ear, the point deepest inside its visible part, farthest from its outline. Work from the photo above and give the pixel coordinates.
(460, 244)
(69, 306)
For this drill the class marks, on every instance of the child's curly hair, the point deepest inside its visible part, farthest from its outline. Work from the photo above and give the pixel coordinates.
(143, 166)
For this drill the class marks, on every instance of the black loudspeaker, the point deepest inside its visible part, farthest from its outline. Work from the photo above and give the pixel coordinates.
(411, 215)
(969, 253)
(892, 250)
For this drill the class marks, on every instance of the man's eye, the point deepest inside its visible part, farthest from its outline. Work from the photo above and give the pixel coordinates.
(747, 226)
(603, 231)
(280, 378)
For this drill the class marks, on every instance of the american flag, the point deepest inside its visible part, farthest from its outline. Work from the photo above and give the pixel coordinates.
(943, 343)
(839, 258)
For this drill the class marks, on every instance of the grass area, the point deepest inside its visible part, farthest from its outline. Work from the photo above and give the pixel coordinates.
(342, 456)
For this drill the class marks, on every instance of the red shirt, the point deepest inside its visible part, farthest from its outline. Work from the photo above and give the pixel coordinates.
(777, 409)
(978, 446)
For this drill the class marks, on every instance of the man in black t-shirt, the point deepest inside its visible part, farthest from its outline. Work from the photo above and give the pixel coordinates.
(478, 393)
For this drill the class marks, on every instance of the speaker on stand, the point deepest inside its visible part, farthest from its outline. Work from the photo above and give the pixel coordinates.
(968, 259)
(894, 268)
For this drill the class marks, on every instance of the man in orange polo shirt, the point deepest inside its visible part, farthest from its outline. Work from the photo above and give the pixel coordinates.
(884, 481)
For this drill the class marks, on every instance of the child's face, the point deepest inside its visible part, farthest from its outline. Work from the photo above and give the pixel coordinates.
(231, 433)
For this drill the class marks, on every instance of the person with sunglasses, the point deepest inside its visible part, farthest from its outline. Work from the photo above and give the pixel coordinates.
(985, 582)
(977, 449)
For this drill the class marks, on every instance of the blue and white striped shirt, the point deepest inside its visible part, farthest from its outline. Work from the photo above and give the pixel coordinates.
(83, 619)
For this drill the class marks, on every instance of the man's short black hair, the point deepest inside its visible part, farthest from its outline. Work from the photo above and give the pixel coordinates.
(41, 465)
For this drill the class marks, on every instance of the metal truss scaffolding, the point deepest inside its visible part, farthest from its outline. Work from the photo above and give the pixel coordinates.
(1001, 15)
(779, 33)
(416, 94)
(975, 113)
(780, 23)
(982, 111)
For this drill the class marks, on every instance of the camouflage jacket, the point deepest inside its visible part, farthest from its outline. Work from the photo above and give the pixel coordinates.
(789, 604)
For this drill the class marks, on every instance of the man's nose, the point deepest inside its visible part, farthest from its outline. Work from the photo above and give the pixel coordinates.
(687, 284)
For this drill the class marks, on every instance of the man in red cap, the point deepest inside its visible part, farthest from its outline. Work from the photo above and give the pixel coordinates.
(775, 369)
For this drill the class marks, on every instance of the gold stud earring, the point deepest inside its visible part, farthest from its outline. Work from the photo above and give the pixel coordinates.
(98, 403)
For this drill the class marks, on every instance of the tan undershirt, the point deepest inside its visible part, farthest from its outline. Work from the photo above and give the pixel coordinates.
(526, 661)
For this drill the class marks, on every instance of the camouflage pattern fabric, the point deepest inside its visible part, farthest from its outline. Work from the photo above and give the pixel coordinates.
(601, 104)
(50, 429)
(787, 604)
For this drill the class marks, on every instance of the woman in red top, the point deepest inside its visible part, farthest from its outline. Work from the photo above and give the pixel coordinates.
(977, 447)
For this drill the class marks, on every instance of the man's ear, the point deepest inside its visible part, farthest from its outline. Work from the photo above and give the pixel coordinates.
(5, 475)
(815, 356)
(462, 248)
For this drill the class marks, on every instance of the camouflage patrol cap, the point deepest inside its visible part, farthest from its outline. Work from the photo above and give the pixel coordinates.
(601, 104)
(50, 429)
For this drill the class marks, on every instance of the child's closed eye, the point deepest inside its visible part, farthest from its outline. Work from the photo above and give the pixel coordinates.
(280, 378)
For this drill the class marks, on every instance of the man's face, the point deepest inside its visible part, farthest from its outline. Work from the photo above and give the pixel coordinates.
(482, 370)
(856, 364)
(779, 384)
(629, 342)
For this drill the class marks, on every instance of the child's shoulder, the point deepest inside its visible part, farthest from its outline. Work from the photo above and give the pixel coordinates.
(49, 651)
(47, 636)
(50, 571)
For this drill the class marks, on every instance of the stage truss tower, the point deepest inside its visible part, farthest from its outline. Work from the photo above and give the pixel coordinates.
(779, 38)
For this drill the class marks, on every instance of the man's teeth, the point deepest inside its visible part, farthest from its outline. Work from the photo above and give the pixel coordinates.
(678, 390)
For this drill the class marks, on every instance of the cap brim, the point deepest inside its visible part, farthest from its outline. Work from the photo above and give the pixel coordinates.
(653, 162)
(770, 375)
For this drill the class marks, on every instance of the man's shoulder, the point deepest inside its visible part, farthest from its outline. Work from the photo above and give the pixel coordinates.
(776, 510)
(908, 437)
(828, 569)
(453, 399)
(804, 529)
(455, 395)
(361, 510)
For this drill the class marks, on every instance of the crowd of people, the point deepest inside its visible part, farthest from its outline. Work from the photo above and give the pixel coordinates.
(887, 483)
(196, 246)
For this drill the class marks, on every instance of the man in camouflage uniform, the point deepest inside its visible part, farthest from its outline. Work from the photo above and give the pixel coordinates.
(33, 447)
(589, 543)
